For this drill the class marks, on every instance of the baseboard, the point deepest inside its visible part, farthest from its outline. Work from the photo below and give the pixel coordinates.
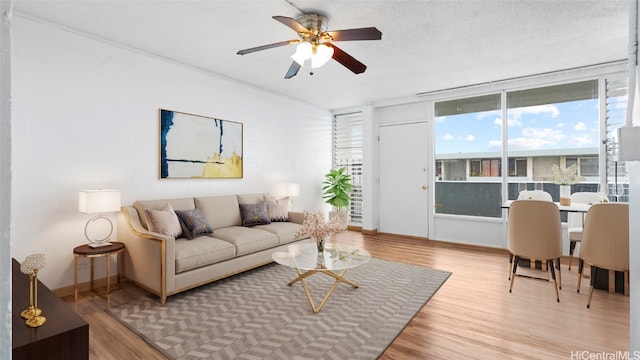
(369, 231)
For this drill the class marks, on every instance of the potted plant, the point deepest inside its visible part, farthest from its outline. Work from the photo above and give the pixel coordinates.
(335, 192)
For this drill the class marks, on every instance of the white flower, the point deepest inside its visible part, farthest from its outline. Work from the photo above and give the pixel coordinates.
(566, 176)
(315, 226)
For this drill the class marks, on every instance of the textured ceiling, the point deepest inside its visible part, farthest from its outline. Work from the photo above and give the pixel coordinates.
(426, 45)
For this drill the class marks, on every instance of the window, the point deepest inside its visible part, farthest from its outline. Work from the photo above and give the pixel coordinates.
(555, 125)
(464, 130)
(347, 153)
(548, 125)
(517, 167)
(587, 166)
(485, 167)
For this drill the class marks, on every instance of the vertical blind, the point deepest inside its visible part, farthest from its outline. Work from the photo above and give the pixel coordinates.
(347, 153)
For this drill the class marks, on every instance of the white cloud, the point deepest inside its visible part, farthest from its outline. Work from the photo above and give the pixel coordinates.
(546, 133)
(440, 119)
(528, 143)
(470, 137)
(580, 140)
(580, 126)
(495, 144)
(510, 122)
(447, 137)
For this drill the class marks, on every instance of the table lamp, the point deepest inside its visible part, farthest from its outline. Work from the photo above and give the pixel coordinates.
(30, 266)
(287, 190)
(99, 202)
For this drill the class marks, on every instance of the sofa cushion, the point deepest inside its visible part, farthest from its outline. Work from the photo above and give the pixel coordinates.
(285, 230)
(278, 209)
(176, 204)
(250, 198)
(164, 221)
(201, 251)
(247, 240)
(254, 214)
(193, 223)
(220, 211)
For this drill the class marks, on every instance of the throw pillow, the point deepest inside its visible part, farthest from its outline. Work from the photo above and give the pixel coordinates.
(254, 214)
(278, 210)
(164, 221)
(194, 223)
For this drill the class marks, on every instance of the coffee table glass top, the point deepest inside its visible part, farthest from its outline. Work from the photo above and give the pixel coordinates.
(336, 256)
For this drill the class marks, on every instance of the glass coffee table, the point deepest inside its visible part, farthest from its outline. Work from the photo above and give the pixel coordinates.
(334, 261)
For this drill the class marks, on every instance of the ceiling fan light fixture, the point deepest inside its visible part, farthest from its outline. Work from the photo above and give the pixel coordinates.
(304, 51)
(322, 54)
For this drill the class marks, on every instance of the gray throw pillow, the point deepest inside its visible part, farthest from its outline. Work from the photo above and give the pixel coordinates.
(193, 223)
(254, 214)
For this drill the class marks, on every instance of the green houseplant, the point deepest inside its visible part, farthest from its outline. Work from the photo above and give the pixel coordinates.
(336, 188)
(335, 192)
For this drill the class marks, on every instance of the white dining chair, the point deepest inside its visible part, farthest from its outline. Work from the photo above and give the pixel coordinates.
(534, 195)
(535, 232)
(605, 243)
(575, 220)
(530, 195)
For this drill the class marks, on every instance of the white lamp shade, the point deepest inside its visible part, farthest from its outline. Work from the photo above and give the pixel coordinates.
(322, 55)
(304, 51)
(287, 189)
(98, 201)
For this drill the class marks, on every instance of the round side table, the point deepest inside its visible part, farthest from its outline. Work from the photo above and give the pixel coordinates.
(116, 248)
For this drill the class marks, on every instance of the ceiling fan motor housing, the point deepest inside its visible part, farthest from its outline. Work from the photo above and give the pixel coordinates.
(314, 22)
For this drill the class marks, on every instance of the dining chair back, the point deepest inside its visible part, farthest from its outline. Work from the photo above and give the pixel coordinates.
(574, 220)
(529, 195)
(605, 242)
(534, 195)
(535, 232)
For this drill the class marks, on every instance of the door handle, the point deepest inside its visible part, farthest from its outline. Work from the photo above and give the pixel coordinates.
(424, 187)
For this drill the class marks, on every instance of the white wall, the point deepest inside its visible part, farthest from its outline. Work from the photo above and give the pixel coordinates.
(85, 116)
(5, 179)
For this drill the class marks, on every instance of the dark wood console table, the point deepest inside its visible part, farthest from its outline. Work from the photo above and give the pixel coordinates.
(65, 335)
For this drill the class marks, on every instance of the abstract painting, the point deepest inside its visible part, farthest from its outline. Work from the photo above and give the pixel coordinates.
(199, 147)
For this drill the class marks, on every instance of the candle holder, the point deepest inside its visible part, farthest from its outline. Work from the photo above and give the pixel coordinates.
(31, 265)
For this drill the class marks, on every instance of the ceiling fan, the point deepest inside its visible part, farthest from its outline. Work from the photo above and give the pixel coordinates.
(316, 43)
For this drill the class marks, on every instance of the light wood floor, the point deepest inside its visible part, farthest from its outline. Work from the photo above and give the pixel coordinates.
(473, 315)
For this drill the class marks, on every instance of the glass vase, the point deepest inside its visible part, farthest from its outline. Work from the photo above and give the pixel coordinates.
(320, 259)
(565, 195)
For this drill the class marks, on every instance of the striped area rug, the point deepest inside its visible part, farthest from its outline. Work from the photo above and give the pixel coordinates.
(256, 315)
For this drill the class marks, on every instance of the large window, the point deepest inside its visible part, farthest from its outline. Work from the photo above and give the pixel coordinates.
(470, 166)
(347, 153)
(544, 126)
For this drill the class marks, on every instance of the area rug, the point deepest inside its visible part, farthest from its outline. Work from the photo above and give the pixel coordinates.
(256, 315)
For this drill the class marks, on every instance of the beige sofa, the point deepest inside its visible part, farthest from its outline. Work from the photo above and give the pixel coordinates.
(165, 265)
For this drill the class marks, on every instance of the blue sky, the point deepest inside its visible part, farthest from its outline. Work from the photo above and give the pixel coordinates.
(551, 126)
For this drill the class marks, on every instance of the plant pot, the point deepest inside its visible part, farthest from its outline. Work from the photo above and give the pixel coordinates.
(341, 217)
(565, 195)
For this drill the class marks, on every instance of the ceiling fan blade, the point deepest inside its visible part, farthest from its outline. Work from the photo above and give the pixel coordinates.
(347, 60)
(370, 33)
(293, 70)
(292, 23)
(268, 46)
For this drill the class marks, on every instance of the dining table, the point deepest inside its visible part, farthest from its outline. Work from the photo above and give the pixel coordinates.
(614, 281)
